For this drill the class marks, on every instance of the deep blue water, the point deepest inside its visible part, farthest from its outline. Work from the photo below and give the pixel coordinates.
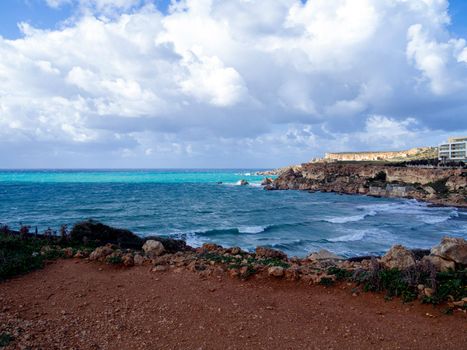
(191, 204)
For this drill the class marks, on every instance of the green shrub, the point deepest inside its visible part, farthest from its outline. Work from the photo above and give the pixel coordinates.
(114, 260)
(440, 186)
(5, 339)
(380, 176)
(341, 274)
(326, 281)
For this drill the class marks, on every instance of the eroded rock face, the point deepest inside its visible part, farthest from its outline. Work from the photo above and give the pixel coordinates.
(453, 249)
(153, 248)
(398, 257)
(263, 252)
(440, 185)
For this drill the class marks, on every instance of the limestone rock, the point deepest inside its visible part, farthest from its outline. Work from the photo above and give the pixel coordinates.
(128, 260)
(266, 181)
(138, 259)
(242, 182)
(323, 254)
(276, 271)
(153, 248)
(211, 247)
(454, 249)
(398, 257)
(263, 252)
(81, 254)
(67, 252)
(100, 253)
(439, 263)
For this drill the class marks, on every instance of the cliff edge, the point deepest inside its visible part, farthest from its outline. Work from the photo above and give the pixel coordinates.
(440, 186)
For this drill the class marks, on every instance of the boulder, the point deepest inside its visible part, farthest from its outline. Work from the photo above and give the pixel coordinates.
(235, 250)
(263, 252)
(92, 232)
(323, 254)
(100, 253)
(242, 182)
(439, 263)
(398, 257)
(171, 245)
(210, 247)
(81, 254)
(454, 249)
(128, 260)
(138, 260)
(67, 252)
(266, 181)
(153, 248)
(276, 271)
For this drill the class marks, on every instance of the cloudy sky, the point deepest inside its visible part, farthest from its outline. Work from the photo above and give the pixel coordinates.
(226, 83)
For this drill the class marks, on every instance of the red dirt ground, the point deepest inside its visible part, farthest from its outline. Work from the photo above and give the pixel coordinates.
(73, 304)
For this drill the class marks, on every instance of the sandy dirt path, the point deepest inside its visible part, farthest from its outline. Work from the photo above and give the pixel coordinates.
(78, 305)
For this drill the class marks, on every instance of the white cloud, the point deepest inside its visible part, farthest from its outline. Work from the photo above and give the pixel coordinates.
(244, 81)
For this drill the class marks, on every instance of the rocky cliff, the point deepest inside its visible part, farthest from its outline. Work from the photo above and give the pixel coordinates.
(440, 186)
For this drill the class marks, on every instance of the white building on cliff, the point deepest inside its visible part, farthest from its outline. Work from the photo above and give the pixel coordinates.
(454, 150)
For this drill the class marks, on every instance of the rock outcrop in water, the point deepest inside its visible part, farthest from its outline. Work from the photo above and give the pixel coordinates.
(441, 186)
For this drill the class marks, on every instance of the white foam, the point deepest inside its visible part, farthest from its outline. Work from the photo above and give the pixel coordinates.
(430, 219)
(251, 229)
(357, 236)
(352, 218)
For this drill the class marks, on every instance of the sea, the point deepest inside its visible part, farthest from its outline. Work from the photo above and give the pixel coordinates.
(209, 205)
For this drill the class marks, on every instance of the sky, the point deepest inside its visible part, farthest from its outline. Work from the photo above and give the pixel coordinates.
(226, 83)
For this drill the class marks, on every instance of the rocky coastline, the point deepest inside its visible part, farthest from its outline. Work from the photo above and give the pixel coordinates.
(126, 277)
(438, 186)
(96, 242)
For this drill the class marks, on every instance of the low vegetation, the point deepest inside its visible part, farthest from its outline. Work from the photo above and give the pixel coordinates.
(409, 284)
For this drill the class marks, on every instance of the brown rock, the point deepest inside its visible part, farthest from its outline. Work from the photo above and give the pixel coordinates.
(100, 253)
(153, 248)
(276, 271)
(263, 252)
(454, 249)
(128, 260)
(323, 254)
(398, 257)
(439, 263)
(211, 247)
(138, 259)
(428, 292)
(234, 273)
(67, 252)
(81, 254)
(292, 274)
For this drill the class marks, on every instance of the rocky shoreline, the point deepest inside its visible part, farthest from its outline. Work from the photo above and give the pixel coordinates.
(438, 186)
(413, 271)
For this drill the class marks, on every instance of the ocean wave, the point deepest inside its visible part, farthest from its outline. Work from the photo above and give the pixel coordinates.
(431, 220)
(357, 236)
(351, 218)
(370, 234)
(252, 229)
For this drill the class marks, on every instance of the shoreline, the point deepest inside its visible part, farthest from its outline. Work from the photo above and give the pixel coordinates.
(103, 287)
(440, 186)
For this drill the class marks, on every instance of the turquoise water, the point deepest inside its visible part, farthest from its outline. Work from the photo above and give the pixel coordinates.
(194, 205)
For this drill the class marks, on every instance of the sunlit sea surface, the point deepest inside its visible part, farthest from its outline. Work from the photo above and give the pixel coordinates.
(209, 206)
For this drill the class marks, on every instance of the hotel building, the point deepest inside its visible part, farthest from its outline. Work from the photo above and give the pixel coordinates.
(454, 150)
